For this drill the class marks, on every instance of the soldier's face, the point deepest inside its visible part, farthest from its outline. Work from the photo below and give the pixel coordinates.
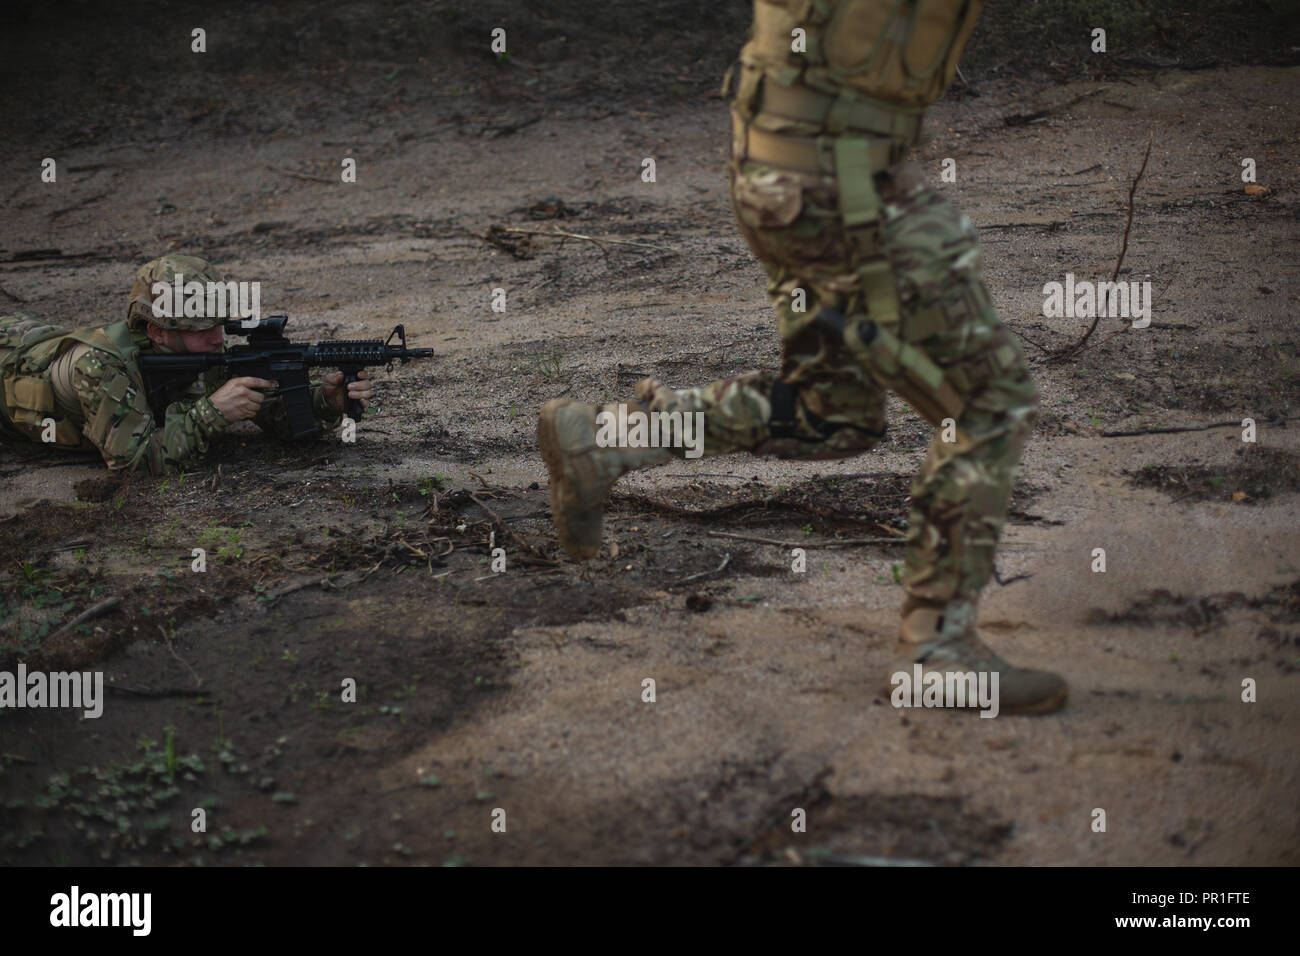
(184, 340)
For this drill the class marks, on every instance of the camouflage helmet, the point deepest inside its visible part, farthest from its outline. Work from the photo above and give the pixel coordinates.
(164, 269)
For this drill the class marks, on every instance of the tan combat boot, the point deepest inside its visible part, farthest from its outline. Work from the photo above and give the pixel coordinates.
(582, 472)
(943, 638)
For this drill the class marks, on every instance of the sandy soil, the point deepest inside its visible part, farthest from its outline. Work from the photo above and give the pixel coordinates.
(522, 690)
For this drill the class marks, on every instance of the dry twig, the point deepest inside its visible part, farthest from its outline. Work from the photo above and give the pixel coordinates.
(297, 175)
(826, 543)
(1186, 428)
(103, 607)
(1073, 350)
(198, 681)
(1023, 119)
(507, 530)
(598, 240)
(726, 560)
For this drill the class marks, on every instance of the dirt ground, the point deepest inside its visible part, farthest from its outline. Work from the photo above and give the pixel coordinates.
(522, 690)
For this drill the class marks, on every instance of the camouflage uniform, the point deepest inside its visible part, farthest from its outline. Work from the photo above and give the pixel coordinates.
(904, 259)
(87, 381)
(828, 98)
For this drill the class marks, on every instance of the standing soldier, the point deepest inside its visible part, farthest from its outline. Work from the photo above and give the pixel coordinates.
(876, 282)
(83, 390)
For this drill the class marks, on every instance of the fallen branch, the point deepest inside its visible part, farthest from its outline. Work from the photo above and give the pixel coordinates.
(826, 543)
(1073, 350)
(495, 132)
(598, 240)
(507, 530)
(103, 607)
(39, 257)
(1023, 119)
(198, 681)
(297, 175)
(862, 474)
(92, 167)
(1053, 224)
(298, 586)
(77, 205)
(1011, 580)
(773, 503)
(519, 248)
(1186, 428)
(28, 255)
(1038, 345)
(70, 546)
(726, 560)
(161, 692)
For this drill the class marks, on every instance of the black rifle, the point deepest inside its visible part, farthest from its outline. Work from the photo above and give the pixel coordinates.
(270, 355)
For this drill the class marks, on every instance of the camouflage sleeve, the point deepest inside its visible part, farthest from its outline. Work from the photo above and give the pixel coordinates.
(327, 416)
(273, 420)
(120, 425)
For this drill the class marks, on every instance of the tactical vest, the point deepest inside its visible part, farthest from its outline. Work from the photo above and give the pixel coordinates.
(872, 56)
(27, 353)
(859, 67)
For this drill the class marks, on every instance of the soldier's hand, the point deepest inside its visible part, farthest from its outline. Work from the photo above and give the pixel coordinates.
(361, 390)
(239, 398)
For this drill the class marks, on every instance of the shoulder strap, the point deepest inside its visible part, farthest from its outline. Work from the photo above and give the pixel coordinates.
(114, 338)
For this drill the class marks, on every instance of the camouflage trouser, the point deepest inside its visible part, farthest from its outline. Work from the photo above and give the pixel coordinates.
(961, 494)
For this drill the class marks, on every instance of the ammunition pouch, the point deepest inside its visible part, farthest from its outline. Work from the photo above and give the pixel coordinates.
(29, 404)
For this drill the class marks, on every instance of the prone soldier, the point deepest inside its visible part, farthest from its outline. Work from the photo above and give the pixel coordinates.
(84, 389)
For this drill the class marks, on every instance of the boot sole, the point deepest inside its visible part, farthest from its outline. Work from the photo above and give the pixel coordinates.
(548, 442)
(1046, 706)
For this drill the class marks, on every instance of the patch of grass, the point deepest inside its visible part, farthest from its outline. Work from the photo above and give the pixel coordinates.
(548, 365)
(433, 483)
(115, 806)
(224, 541)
